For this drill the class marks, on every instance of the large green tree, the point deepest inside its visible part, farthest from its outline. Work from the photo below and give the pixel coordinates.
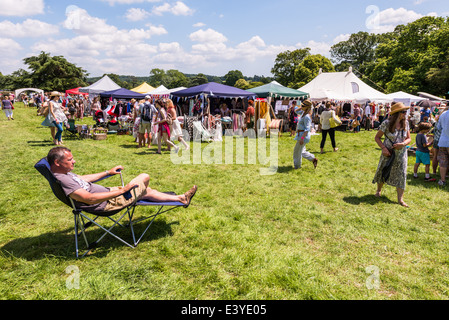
(170, 79)
(232, 77)
(309, 68)
(197, 80)
(358, 50)
(414, 57)
(286, 64)
(54, 73)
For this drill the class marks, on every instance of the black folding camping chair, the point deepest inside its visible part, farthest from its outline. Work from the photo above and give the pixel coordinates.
(71, 131)
(84, 221)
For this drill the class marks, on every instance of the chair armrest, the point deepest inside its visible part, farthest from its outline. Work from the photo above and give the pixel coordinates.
(107, 177)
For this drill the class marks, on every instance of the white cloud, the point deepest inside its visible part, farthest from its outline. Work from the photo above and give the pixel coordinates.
(199, 25)
(208, 36)
(156, 31)
(160, 10)
(321, 48)
(9, 47)
(387, 20)
(21, 8)
(179, 9)
(9, 51)
(29, 28)
(136, 14)
(342, 37)
(100, 47)
(114, 2)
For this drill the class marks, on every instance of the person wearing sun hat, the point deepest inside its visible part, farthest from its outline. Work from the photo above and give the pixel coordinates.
(303, 135)
(392, 168)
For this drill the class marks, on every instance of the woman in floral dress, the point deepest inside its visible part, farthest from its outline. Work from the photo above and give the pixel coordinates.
(397, 137)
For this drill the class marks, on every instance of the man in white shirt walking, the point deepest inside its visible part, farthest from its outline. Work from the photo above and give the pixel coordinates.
(367, 115)
(443, 144)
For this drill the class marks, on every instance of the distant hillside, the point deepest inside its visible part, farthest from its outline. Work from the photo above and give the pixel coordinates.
(122, 78)
(139, 80)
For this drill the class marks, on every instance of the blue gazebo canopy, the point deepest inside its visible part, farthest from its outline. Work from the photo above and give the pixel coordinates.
(122, 93)
(213, 89)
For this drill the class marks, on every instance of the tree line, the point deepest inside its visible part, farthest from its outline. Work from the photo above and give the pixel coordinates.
(412, 58)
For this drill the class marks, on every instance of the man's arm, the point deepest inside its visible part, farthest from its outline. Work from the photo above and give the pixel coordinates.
(86, 197)
(98, 176)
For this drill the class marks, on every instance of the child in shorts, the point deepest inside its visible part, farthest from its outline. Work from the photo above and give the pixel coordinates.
(423, 152)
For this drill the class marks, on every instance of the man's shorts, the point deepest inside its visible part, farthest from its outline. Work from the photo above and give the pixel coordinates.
(422, 157)
(443, 157)
(144, 126)
(120, 202)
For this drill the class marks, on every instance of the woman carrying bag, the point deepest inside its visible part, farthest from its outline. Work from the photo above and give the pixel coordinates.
(163, 122)
(329, 121)
(303, 136)
(55, 118)
(392, 168)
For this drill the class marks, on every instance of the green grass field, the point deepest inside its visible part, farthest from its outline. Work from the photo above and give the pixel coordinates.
(308, 234)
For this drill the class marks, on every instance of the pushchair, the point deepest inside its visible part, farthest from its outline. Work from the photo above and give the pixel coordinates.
(99, 119)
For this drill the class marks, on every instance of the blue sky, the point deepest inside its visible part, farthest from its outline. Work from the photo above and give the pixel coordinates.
(131, 37)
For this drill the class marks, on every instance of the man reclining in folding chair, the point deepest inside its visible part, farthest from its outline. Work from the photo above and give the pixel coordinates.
(94, 198)
(83, 195)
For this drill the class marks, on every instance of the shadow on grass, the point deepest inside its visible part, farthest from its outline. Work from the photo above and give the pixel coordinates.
(420, 182)
(129, 146)
(61, 244)
(285, 169)
(144, 150)
(368, 199)
(40, 143)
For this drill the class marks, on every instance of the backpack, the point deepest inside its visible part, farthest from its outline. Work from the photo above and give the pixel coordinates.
(146, 113)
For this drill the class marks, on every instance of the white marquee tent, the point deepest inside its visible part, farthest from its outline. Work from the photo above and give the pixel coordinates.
(162, 91)
(405, 98)
(431, 97)
(102, 85)
(342, 86)
(19, 91)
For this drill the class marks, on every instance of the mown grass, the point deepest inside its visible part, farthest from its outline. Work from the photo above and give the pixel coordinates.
(307, 234)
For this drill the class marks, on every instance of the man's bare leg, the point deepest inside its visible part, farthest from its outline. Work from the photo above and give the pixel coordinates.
(157, 196)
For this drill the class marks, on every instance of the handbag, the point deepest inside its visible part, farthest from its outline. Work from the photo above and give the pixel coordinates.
(355, 123)
(169, 120)
(333, 123)
(386, 171)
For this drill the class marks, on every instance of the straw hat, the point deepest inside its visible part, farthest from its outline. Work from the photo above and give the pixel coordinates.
(55, 94)
(306, 104)
(398, 107)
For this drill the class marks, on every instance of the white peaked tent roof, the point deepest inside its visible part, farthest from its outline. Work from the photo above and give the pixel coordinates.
(342, 86)
(405, 98)
(102, 85)
(177, 89)
(160, 90)
(164, 91)
(429, 96)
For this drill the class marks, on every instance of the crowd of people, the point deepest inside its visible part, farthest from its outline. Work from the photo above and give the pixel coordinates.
(156, 121)
(394, 126)
(157, 117)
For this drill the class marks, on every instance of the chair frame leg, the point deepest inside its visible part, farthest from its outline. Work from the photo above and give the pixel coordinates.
(152, 217)
(81, 226)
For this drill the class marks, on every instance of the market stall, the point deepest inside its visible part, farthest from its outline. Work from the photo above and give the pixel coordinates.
(200, 101)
